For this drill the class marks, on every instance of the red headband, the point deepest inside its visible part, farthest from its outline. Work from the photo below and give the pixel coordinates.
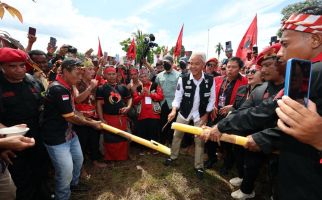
(304, 23)
(144, 71)
(109, 69)
(268, 52)
(134, 70)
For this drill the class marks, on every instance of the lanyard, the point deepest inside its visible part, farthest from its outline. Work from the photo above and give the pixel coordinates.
(225, 86)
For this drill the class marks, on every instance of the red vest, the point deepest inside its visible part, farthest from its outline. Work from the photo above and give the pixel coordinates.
(239, 82)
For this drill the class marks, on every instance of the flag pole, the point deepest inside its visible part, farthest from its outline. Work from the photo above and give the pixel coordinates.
(208, 44)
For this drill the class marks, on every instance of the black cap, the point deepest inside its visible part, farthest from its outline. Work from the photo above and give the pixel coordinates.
(70, 64)
(183, 59)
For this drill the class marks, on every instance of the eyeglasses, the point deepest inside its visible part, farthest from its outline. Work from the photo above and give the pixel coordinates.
(211, 65)
(253, 71)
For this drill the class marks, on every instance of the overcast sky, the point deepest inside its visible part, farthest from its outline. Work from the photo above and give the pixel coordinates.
(80, 23)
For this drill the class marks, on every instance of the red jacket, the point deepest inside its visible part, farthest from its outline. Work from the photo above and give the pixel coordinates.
(239, 82)
(147, 109)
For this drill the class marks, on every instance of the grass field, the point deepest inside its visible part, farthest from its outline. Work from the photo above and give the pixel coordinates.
(146, 178)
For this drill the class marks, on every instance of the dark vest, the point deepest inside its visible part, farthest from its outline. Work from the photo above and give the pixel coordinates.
(189, 89)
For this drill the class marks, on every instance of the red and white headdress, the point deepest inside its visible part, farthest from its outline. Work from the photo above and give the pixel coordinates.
(304, 23)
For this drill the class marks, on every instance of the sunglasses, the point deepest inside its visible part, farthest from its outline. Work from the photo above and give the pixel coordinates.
(211, 65)
(253, 71)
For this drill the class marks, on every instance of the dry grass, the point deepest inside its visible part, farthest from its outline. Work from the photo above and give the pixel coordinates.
(146, 178)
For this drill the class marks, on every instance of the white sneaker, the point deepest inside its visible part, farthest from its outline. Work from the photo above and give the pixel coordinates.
(236, 181)
(242, 196)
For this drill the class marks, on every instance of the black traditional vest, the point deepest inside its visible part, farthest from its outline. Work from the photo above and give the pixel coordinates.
(189, 89)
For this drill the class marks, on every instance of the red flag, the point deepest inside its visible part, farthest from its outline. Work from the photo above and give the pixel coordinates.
(131, 52)
(99, 51)
(177, 49)
(248, 41)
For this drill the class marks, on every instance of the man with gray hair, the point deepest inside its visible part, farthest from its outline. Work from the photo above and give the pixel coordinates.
(194, 99)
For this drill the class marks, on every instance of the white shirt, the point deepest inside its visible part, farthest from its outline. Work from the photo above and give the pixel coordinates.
(194, 114)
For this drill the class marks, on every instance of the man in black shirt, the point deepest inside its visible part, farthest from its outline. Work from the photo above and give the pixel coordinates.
(21, 103)
(300, 171)
(226, 90)
(60, 139)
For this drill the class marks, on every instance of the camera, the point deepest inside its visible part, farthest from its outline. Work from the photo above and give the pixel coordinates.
(149, 41)
(148, 44)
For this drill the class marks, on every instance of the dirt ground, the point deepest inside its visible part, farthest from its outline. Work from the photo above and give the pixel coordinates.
(145, 177)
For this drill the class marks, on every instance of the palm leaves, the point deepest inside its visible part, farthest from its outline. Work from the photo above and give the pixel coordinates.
(219, 48)
(13, 11)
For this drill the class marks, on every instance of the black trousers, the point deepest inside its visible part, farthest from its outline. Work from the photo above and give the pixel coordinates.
(89, 141)
(239, 153)
(167, 133)
(252, 164)
(30, 173)
(272, 174)
(133, 116)
(149, 129)
(211, 148)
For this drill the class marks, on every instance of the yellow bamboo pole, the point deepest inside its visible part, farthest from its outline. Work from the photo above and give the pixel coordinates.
(150, 144)
(234, 139)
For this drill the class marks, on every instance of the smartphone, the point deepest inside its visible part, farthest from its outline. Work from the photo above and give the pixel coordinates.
(89, 51)
(32, 31)
(273, 40)
(53, 41)
(297, 80)
(255, 50)
(228, 45)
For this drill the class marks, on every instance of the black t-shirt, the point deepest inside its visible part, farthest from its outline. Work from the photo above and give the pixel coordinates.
(58, 103)
(114, 98)
(21, 103)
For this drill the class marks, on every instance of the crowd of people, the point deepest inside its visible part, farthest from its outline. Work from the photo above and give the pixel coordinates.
(63, 100)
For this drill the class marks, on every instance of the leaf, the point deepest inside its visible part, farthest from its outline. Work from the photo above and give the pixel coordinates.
(14, 12)
(1, 11)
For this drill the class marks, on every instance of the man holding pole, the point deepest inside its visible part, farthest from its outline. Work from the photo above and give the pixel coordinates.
(195, 99)
(59, 136)
(300, 159)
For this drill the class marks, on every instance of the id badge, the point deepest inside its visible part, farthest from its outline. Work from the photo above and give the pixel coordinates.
(148, 100)
(221, 101)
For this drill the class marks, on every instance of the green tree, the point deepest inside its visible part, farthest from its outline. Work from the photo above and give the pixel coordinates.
(158, 50)
(219, 48)
(125, 44)
(140, 46)
(80, 55)
(296, 7)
